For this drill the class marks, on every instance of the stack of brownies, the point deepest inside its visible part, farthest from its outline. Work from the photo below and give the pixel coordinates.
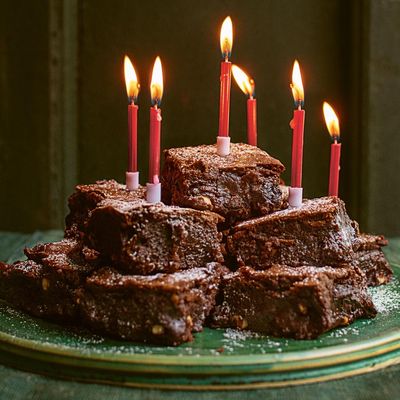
(222, 250)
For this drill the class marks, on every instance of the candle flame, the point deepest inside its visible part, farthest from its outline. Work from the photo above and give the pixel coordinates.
(131, 81)
(245, 83)
(297, 85)
(156, 86)
(226, 37)
(331, 120)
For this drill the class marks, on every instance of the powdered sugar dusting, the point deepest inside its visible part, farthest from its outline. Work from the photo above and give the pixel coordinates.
(235, 339)
(235, 335)
(346, 331)
(385, 298)
(317, 206)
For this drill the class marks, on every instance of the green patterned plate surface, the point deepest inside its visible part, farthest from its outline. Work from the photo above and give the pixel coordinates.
(217, 359)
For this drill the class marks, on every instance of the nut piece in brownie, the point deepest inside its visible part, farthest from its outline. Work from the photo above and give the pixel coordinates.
(87, 197)
(318, 233)
(160, 309)
(239, 186)
(44, 285)
(149, 238)
(370, 258)
(300, 303)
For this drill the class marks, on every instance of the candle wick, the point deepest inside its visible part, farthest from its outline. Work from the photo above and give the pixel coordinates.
(299, 106)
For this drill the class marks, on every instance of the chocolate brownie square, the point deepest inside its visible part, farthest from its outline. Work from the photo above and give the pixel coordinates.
(58, 284)
(87, 197)
(44, 285)
(239, 186)
(318, 233)
(71, 261)
(29, 286)
(370, 258)
(150, 238)
(161, 309)
(300, 303)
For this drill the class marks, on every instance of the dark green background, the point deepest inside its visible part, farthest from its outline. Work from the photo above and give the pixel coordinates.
(63, 101)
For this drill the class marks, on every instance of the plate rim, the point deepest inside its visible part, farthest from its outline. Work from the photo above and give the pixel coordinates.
(390, 338)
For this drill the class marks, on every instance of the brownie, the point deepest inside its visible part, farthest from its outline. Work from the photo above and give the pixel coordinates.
(71, 261)
(87, 197)
(44, 285)
(58, 284)
(318, 233)
(239, 186)
(291, 302)
(370, 258)
(150, 238)
(160, 309)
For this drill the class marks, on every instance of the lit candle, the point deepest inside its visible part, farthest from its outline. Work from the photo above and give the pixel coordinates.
(297, 124)
(132, 90)
(156, 90)
(247, 85)
(226, 39)
(332, 123)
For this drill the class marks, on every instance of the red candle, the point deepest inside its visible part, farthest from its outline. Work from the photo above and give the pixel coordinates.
(334, 169)
(155, 144)
(252, 121)
(132, 137)
(226, 38)
(156, 90)
(247, 85)
(297, 124)
(132, 90)
(224, 99)
(332, 123)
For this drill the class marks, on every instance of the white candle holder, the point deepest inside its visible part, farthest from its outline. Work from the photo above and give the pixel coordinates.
(223, 145)
(132, 180)
(153, 193)
(295, 197)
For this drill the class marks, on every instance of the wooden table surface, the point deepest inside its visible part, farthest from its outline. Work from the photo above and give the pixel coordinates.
(19, 385)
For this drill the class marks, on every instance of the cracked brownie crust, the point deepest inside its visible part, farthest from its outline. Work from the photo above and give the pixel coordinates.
(150, 238)
(161, 309)
(239, 186)
(87, 197)
(318, 233)
(300, 303)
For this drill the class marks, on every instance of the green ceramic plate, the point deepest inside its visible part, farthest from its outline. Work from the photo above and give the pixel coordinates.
(217, 359)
